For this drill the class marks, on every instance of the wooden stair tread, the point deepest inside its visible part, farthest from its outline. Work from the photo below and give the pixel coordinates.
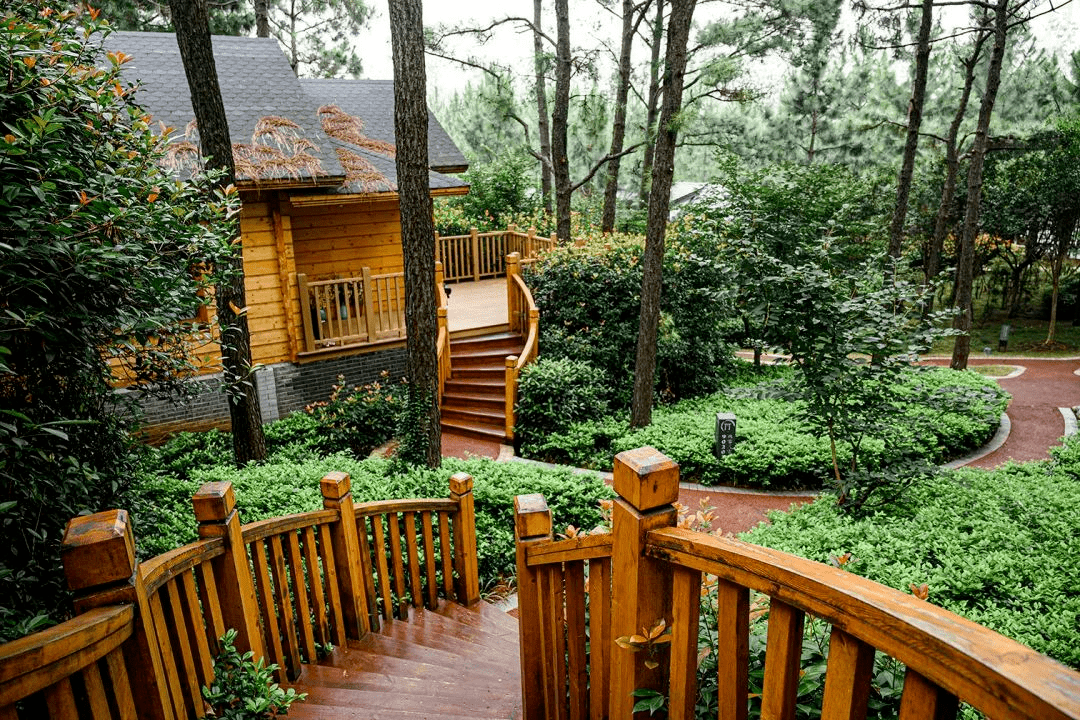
(480, 340)
(481, 432)
(311, 711)
(409, 650)
(357, 660)
(479, 416)
(484, 615)
(465, 702)
(443, 632)
(462, 399)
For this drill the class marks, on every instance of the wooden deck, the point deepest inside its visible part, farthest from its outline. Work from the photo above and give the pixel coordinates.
(474, 305)
(448, 664)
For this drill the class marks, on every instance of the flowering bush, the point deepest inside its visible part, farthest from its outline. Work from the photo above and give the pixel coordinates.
(360, 418)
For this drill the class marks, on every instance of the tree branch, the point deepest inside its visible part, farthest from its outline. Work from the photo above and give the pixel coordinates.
(603, 161)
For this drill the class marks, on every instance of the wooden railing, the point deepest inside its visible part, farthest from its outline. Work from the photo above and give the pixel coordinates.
(478, 255)
(360, 310)
(143, 639)
(647, 569)
(524, 319)
(442, 342)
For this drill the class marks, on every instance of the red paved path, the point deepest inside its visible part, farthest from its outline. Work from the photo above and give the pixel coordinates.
(1037, 424)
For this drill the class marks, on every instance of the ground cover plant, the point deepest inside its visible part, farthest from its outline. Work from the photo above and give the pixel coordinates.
(998, 547)
(936, 414)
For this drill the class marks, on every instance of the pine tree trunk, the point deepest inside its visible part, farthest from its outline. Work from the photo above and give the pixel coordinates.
(262, 18)
(965, 275)
(192, 23)
(653, 105)
(417, 229)
(914, 122)
(542, 124)
(952, 168)
(559, 118)
(652, 261)
(618, 128)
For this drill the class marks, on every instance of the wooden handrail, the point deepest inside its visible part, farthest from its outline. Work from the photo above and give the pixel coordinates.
(35, 662)
(524, 318)
(286, 584)
(995, 674)
(480, 255)
(658, 572)
(442, 342)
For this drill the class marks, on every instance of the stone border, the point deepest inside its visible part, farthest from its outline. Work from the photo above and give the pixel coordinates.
(995, 443)
(1069, 417)
(1019, 370)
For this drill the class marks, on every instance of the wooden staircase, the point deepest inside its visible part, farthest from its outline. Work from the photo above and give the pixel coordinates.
(474, 400)
(452, 663)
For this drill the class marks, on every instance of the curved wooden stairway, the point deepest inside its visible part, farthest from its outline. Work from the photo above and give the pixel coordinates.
(474, 399)
(452, 663)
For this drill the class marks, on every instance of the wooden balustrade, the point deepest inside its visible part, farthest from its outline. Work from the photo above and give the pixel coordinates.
(654, 571)
(351, 311)
(143, 642)
(524, 319)
(481, 255)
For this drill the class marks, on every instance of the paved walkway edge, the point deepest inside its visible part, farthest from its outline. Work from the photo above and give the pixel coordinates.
(1002, 434)
(1069, 417)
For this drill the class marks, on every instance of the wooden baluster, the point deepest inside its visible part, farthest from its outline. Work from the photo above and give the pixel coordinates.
(600, 637)
(121, 685)
(474, 239)
(194, 621)
(575, 640)
(98, 554)
(397, 566)
(305, 312)
(461, 485)
(532, 526)
(553, 640)
(215, 509)
(369, 305)
(318, 599)
(647, 483)
(446, 553)
(733, 648)
(415, 586)
(61, 700)
(369, 576)
(211, 606)
(337, 496)
(333, 595)
(685, 609)
(783, 650)
(271, 625)
(96, 698)
(381, 567)
(530, 244)
(300, 593)
(181, 640)
(847, 677)
(923, 700)
(283, 600)
(429, 561)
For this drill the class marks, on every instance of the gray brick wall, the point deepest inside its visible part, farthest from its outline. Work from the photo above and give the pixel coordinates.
(283, 389)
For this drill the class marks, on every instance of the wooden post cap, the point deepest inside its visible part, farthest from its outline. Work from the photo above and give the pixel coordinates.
(441, 312)
(532, 518)
(438, 266)
(461, 483)
(98, 549)
(335, 485)
(646, 478)
(213, 502)
(511, 361)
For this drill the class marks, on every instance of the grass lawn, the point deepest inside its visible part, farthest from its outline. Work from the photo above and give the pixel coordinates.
(1026, 338)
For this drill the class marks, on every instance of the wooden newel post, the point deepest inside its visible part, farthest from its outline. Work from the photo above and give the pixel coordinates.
(474, 245)
(647, 483)
(439, 275)
(532, 526)
(337, 495)
(98, 554)
(513, 267)
(465, 561)
(215, 509)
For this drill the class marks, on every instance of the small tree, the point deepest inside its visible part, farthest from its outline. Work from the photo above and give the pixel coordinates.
(103, 257)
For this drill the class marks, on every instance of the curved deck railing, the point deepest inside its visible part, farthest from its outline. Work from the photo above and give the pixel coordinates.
(647, 569)
(524, 319)
(481, 255)
(144, 639)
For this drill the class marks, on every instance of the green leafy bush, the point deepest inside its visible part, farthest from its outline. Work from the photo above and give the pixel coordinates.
(501, 192)
(589, 298)
(283, 485)
(244, 689)
(997, 547)
(360, 418)
(555, 393)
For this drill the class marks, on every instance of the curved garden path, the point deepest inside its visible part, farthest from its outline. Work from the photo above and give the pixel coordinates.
(1037, 425)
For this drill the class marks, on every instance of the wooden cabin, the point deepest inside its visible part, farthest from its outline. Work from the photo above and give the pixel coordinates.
(319, 218)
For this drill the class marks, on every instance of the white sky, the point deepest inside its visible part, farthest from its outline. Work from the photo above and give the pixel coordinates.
(1058, 30)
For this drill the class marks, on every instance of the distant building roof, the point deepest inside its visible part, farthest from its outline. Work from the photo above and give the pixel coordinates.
(373, 102)
(275, 126)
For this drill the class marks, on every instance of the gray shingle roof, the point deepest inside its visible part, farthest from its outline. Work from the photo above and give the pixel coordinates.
(373, 102)
(256, 82)
(387, 169)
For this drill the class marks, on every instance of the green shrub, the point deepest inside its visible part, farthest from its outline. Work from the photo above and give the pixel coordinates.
(360, 418)
(998, 547)
(243, 688)
(554, 393)
(284, 485)
(589, 299)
